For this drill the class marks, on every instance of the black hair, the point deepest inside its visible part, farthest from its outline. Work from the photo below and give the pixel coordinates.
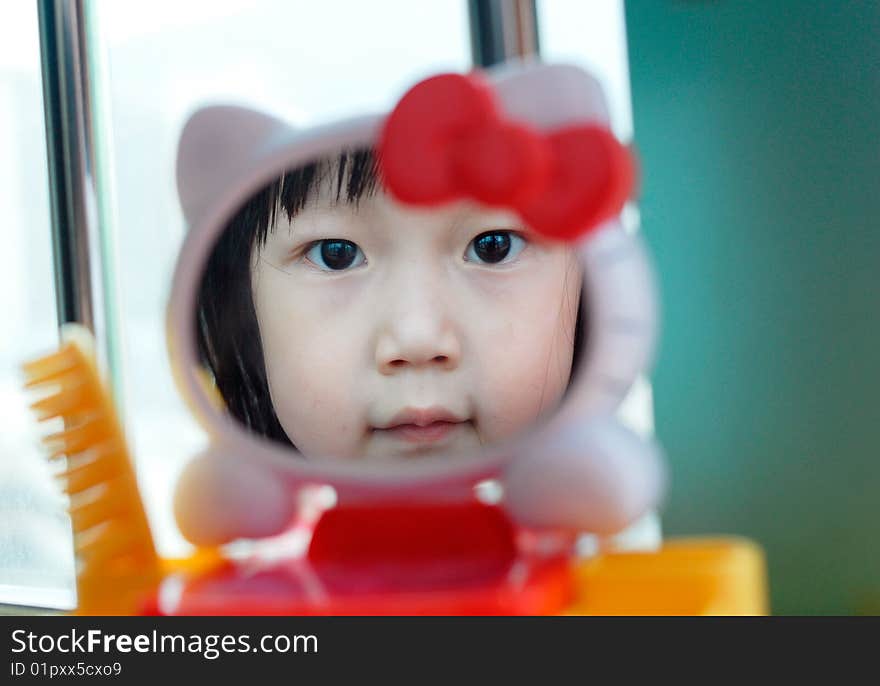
(227, 329)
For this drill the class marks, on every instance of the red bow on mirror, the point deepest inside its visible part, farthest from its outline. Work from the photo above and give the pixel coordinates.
(447, 140)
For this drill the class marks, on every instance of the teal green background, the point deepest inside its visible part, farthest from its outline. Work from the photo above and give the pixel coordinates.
(758, 129)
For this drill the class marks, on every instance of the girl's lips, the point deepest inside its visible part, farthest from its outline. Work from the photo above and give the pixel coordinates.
(429, 433)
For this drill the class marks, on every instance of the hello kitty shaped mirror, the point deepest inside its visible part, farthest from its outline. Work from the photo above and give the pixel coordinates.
(405, 306)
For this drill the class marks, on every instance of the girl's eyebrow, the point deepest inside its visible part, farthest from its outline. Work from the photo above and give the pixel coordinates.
(315, 222)
(492, 215)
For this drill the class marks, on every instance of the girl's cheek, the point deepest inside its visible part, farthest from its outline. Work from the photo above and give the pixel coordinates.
(525, 342)
(309, 347)
(311, 392)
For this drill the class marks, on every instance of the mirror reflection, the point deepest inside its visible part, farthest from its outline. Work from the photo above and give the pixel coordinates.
(338, 321)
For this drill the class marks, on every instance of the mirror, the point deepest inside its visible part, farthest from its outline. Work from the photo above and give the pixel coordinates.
(337, 321)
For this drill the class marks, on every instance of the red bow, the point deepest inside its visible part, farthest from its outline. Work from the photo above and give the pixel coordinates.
(447, 140)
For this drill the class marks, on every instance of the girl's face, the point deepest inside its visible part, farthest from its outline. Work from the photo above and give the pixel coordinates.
(390, 332)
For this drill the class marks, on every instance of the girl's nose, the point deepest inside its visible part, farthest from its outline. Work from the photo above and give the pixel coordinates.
(420, 334)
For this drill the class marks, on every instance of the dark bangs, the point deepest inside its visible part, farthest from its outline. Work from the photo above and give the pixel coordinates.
(227, 330)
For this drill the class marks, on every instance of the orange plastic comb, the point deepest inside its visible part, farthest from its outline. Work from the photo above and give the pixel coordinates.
(117, 563)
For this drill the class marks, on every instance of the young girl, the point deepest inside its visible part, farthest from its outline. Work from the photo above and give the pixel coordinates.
(350, 326)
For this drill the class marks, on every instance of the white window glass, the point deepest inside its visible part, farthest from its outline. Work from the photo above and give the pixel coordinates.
(307, 61)
(36, 555)
(592, 34)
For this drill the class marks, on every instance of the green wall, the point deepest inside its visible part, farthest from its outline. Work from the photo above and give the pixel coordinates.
(758, 127)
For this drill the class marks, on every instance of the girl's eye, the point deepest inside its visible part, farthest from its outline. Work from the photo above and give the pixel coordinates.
(335, 254)
(494, 247)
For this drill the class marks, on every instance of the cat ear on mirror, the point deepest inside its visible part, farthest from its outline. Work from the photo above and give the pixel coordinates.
(550, 96)
(219, 146)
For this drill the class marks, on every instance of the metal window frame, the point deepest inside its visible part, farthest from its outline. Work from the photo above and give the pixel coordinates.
(81, 210)
(502, 29)
(80, 185)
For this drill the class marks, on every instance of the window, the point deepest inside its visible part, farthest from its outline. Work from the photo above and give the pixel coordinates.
(36, 554)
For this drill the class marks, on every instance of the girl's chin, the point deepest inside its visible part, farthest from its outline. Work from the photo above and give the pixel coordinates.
(454, 441)
(404, 444)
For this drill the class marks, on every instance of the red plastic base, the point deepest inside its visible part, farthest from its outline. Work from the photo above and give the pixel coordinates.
(389, 560)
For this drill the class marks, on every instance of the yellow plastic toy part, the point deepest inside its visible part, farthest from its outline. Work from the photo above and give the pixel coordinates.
(117, 565)
(694, 576)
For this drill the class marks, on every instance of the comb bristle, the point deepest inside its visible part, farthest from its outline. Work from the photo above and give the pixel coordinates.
(86, 538)
(90, 509)
(61, 376)
(64, 360)
(70, 401)
(99, 545)
(57, 450)
(89, 475)
(102, 450)
(78, 438)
